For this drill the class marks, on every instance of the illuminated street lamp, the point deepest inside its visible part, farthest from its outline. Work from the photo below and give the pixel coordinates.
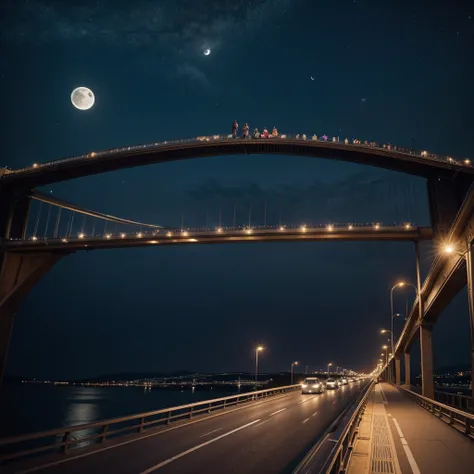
(400, 284)
(257, 350)
(292, 368)
(329, 365)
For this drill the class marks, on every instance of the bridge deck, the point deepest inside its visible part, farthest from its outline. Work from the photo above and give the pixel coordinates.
(268, 436)
(435, 447)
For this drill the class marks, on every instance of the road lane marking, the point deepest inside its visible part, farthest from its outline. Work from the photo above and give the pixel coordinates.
(305, 421)
(409, 454)
(195, 448)
(210, 432)
(264, 421)
(334, 402)
(315, 413)
(279, 411)
(307, 400)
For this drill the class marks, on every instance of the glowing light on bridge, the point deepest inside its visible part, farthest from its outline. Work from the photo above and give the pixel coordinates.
(303, 228)
(139, 235)
(467, 162)
(407, 226)
(350, 226)
(81, 236)
(184, 233)
(64, 240)
(34, 237)
(168, 234)
(108, 236)
(219, 230)
(248, 231)
(93, 154)
(377, 226)
(35, 165)
(330, 227)
(122, 235)
(282, 228)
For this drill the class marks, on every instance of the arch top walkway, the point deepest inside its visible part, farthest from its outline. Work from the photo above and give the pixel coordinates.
(419, 163)
(417, 440)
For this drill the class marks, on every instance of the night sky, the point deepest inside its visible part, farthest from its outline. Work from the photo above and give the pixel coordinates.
(385, 71)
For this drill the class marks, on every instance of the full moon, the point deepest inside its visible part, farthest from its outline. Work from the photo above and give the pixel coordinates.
(207, 52)
(82, 98)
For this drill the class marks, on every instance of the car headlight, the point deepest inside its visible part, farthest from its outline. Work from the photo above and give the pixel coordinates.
(304, 385)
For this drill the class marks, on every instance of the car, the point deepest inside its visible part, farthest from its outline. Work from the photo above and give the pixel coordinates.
(312, 385)
(343, 381)
(331, 383)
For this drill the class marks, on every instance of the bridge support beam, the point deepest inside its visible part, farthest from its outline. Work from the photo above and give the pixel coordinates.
(426, 346)
(18, 274)
(14, 212)
(470, 297)
(407, 369)
(397, 371)
(445, 199)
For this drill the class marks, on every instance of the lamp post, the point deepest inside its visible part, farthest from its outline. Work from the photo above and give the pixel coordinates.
(329, 365)
(257, 350)
(400, 284)
(385, 353)
(467, 254)
(292, 366)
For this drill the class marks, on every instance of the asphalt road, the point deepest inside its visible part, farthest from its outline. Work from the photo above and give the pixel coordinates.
(268, 437)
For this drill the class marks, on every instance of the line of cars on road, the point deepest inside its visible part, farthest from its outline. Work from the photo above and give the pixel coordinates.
(316, 385)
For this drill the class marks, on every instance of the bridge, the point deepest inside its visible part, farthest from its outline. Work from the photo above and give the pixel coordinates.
(27, 255)
(359, 428)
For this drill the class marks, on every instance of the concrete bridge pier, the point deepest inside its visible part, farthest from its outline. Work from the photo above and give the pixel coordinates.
(407, 369)
(397, 370)
(426, 347)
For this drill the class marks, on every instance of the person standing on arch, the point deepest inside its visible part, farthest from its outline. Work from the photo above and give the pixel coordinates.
(235, 127)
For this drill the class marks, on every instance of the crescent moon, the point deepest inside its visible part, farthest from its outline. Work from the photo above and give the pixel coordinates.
(207, 52)
(312, 78)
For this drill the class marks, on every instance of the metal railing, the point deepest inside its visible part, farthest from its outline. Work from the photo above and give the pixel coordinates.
(332, 454)
(457, 400)
(455, 417)
(63, 440)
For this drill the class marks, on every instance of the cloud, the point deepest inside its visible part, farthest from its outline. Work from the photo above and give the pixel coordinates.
(192, 72)
(175, 31)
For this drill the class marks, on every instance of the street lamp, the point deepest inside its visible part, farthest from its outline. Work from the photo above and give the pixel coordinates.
(257, 350)
(400, 284)
(292, 365)
(329, 365)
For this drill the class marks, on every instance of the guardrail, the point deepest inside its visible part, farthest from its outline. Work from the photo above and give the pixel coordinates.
(458, 419)
(332, 454)
(457, 400)
(63, 440)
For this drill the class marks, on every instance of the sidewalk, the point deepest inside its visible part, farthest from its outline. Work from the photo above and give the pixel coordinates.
(424, 444)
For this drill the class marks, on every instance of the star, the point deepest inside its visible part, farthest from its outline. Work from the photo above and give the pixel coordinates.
(364, 99)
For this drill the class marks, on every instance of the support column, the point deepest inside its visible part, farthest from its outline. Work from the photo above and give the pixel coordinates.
(397, 371)
(14, 212)
(18, 274)
(445, 198)
(426, 347)
(407, 370)
(470, 298)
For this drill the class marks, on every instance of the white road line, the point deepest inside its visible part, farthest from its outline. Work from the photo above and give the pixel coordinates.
(315, 413)
(411, 459)
(210, 432)
(195, 448)
(279, 411)
(304, 421)
(260, 424)
(334, 402)
(307, 400)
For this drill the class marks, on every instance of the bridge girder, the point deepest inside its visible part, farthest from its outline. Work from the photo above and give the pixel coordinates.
(447, 276)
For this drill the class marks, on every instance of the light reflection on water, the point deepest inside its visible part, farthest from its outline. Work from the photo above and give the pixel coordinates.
(28, 408)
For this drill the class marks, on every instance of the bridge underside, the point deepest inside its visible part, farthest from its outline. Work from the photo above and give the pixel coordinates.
(447, 276)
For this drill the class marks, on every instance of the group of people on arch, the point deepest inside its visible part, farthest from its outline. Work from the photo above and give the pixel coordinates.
(274, 134)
